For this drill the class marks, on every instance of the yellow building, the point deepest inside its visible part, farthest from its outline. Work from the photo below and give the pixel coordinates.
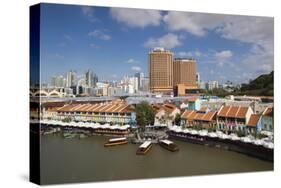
(160, 70)
(184, 71)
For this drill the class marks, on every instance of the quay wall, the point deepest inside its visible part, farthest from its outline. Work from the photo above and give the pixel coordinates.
(250, 149)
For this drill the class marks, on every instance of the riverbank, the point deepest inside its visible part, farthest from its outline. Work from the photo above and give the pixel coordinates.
(260, 148)
(256, 148)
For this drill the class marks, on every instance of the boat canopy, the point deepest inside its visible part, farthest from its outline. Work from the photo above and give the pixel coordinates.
(145, 144)
(117, 139)
(166, 142)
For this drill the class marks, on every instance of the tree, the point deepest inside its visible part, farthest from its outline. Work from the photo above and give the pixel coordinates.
(177, 119)
(145, 114)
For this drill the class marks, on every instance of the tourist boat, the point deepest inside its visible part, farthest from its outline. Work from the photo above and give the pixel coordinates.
(69, 135)
(169, 145)
(144, 148)
(116, 141)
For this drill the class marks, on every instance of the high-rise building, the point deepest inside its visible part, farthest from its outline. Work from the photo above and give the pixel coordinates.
(198, 80)
(212, 85)
(160, 70)
(140, 77)
(71, 79)
(145, 84)
(58, 81)
(184, 71)
(91, 79)
(133, 85)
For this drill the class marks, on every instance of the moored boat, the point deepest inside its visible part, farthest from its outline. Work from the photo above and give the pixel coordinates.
(169, 145)
(116, 141)
(144, 148)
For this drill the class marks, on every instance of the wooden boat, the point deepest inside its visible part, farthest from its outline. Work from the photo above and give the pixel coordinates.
(116, 141)
(169, 145)
(144, 148)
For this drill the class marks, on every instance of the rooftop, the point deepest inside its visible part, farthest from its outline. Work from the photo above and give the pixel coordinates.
(233, 111)
(191, 115)
(254, 119)
(108, 107)
(268, 111)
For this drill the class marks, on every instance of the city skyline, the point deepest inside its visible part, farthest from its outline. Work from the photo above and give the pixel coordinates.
(97, 38)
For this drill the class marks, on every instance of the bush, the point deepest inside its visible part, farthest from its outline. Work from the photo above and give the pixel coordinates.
(66, 120)
(240, 133)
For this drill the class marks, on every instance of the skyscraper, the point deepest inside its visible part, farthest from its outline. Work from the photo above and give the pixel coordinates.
(58, 81)
(160, 70)
(140, 77)
(198, 79)
(184, 71)
(71, 79)
(91, 79)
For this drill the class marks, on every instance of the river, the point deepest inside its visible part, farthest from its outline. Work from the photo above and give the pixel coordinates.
(81, 160)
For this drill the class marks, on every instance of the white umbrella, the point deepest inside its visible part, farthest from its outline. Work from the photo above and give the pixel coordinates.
(194, 132)
(212, 134)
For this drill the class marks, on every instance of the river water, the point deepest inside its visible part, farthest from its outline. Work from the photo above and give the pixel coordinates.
(79, 160)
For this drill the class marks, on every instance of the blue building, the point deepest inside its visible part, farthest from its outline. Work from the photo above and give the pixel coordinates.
(194, 104)
(267, 120)
(255, 124)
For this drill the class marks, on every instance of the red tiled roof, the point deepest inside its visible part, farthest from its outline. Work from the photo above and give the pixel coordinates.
(242, 112)
(223, 111)
(209, 116)
(254, 119)
(268, 112)
(188, 114)
(98, 107)
(205, 116)
(203, 109)
(233, 111)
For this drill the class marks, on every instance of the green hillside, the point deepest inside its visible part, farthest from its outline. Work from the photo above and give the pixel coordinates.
(262, 85)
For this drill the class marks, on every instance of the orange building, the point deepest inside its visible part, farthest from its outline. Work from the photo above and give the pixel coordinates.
(184, 71)
(160, 71)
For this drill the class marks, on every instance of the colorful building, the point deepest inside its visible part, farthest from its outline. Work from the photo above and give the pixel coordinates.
(233, 118)
(193, 103)
(114, 112)
(165, 114)
(267, 119)
(202, 119)
(254, 124)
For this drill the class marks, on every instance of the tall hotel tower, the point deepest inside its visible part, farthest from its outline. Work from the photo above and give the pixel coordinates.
(160, 71)
(184, 71)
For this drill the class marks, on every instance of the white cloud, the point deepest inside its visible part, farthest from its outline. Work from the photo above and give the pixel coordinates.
(249, 29)
(89, 13)
(223, 55)
(56, 56)
(260, 63)
(189, 53)
(136, 17)
(92, 45)
(255, 30)
(68, 37)
(136, 68)
(99, 34)
(194, 23)
(132, 61)
(169, 41)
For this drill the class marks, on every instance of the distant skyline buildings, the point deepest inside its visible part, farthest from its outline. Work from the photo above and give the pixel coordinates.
(71, 78)
(91, 78)
(222, 46)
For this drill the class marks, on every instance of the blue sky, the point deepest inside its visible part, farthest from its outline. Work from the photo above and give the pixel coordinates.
(114, 42)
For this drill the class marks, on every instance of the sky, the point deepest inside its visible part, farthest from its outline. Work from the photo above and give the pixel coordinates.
(114, 42)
